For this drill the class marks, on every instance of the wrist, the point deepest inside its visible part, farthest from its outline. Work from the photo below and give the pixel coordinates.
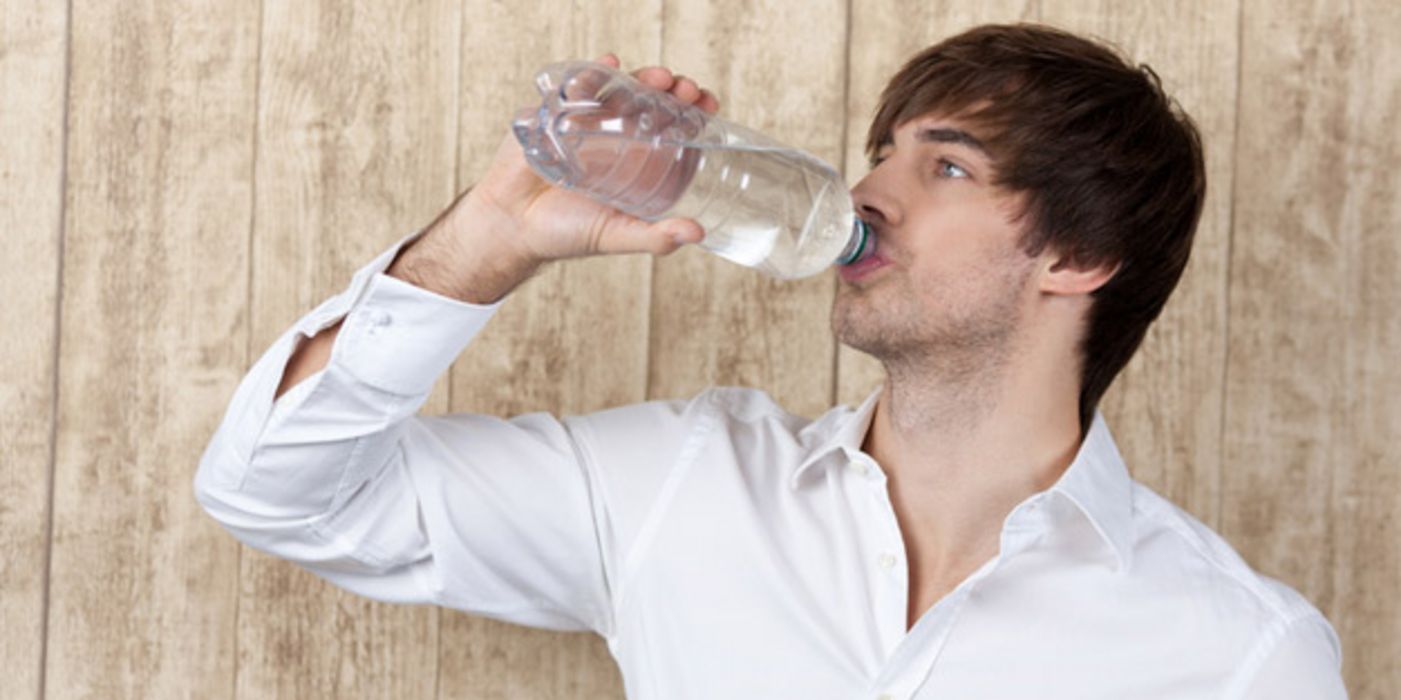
(467, 254)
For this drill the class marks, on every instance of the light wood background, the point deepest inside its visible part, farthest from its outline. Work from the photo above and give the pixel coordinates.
(180, 180)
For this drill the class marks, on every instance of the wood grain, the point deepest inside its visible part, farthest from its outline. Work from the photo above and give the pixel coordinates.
(885, 34)
(1312, 418)
(152, 344)
(571, 340)
(32, 61)
(227, 165)
(780, 68)
(355, 128)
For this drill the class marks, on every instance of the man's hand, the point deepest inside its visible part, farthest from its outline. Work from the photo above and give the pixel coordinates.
(512, 222)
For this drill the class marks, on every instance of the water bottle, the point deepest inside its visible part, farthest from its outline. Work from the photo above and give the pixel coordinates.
(762, 204)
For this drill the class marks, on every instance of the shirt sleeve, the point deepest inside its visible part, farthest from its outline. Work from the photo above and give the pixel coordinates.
(1304, 664)
(499, 517)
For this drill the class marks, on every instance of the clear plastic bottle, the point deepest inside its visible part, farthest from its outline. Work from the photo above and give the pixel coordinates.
(762, 204)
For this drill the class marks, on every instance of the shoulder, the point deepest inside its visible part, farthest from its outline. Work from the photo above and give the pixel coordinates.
(1169, 535)
(1203, 573)
(730, 405)
(742, 411)
(645, 417)
(1166, 531)
(665, 426)
(748, 405)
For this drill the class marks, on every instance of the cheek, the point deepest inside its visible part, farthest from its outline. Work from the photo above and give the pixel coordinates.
(961, 266)
(959, 243)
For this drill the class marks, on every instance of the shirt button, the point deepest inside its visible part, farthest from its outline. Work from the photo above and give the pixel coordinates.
(860, 468)
(886, 696)
(887, 561)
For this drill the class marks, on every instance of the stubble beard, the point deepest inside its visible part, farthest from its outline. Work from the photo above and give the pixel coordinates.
(958, 348)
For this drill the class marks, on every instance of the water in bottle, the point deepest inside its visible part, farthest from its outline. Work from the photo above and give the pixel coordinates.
(762, 204)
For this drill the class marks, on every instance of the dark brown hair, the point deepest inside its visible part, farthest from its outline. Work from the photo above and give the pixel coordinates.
(1110, 166)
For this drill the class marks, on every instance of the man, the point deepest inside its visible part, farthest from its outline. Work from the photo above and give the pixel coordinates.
(969, 531)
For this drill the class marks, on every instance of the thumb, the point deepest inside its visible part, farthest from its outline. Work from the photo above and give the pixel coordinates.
(633, 235)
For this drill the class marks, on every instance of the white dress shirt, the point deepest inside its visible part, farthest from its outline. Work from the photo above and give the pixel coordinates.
(725, 548)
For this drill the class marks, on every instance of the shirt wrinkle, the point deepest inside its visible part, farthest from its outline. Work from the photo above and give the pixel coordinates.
(606, 615)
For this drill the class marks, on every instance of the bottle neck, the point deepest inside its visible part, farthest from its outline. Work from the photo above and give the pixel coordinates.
(860, 246)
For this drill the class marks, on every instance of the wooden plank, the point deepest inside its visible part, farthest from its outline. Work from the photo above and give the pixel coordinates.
(778, 67)
(884, 35)
(355, 134)
(32, 85)
(152, 345)
(1165, 407)
(1312, 415)
(571, 340)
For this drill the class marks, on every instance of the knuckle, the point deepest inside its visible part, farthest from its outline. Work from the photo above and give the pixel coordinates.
(594, 234)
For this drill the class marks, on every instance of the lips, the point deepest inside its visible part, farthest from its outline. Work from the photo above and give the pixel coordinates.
(864, 268)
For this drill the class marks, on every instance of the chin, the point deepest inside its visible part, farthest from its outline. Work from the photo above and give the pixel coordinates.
(849, 330)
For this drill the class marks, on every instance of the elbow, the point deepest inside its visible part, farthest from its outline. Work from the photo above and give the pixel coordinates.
(218, 488)
(217, 480)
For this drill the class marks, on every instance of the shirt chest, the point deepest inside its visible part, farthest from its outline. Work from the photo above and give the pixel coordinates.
(1014, 633)
(748, 589)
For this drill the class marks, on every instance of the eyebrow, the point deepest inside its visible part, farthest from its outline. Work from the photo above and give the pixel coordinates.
(955, 136)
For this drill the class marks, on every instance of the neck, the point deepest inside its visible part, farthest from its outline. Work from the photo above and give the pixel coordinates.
(963, 440)
(960, 426)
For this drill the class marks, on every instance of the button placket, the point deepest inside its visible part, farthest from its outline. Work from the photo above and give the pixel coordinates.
(889, 569)
(888, 558)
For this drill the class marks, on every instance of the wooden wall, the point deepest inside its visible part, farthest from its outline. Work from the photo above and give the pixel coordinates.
(179, 180)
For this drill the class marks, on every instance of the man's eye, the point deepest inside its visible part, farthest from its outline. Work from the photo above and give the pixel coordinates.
(947, 169)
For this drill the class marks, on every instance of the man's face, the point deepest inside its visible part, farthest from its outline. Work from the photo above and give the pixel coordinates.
(949, 282)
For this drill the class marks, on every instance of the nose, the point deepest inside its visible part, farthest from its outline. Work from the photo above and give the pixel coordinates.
(874, 202)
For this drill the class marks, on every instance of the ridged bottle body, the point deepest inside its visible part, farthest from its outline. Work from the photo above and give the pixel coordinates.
(762, 204)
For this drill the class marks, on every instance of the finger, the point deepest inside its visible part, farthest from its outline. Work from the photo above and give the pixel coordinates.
(683, 230)
(655, 76)
(609, 59)
(708, 102)
(670, 234)
(584, 84)
(626, 234)
(686, 89)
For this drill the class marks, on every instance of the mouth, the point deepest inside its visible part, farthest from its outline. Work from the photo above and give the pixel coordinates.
(862, 269)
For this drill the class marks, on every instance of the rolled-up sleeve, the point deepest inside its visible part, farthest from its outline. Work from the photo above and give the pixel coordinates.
(498, 517)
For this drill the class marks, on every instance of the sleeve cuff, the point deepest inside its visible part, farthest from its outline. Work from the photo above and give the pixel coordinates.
(336, 307)
(400, 338)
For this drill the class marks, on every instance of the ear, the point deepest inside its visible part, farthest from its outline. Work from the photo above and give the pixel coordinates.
(1061, 275)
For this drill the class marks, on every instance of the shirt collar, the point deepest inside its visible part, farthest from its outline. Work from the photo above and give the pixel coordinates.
(841, 429)
(1097, 481)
